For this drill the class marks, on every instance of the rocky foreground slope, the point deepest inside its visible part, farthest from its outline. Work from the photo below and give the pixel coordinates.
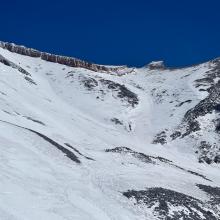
(91, 142)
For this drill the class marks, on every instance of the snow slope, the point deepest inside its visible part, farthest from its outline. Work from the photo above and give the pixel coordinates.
(87, 145)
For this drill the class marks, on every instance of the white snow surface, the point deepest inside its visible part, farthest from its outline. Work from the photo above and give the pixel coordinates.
(37, 181)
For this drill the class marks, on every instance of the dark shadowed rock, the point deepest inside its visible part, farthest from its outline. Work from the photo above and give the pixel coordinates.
(116, 121)
(125, 150)
(122, 90)
(27, 75)
(160, 138)
(89, 83)
(209, 153)
(77, 151)
(171, 205)
(213, 193)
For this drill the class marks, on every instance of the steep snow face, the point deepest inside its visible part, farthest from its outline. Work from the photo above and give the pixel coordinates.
(90, 145)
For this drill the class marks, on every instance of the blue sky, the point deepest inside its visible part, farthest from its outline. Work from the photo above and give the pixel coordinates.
(117, 32)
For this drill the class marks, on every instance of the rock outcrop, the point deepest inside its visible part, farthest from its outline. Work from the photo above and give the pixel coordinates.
(155, 65)
(172, 205)
(69, 61)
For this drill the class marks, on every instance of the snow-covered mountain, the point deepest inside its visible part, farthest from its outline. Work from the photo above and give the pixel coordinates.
(81, 141)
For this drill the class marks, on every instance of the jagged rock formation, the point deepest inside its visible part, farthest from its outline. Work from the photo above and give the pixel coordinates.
(68, 61)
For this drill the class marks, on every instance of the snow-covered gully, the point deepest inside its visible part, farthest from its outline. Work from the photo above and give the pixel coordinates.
(89, 142)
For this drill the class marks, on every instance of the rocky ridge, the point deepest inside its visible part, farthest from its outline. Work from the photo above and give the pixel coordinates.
(68, 61)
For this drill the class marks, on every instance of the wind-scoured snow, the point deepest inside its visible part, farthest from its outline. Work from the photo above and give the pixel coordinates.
(86, 145)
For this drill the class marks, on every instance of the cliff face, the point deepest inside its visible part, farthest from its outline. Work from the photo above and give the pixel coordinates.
(69, 61)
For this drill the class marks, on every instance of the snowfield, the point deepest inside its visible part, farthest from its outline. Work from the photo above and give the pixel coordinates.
(129, 144)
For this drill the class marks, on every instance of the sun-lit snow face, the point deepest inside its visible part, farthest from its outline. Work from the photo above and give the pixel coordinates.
(83, 144)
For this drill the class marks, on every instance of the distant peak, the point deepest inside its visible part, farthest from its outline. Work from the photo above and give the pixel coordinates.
(156, 65)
